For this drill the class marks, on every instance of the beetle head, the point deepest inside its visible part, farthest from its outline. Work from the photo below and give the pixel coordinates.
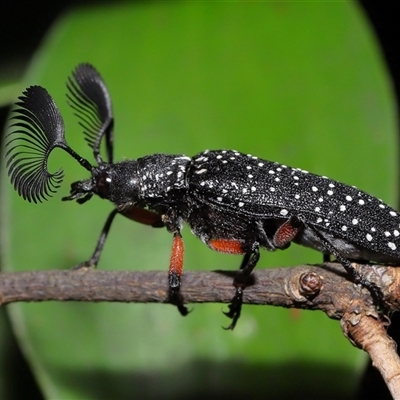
(115, 182)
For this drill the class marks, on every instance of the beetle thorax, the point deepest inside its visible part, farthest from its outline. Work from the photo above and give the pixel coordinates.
(162, 176)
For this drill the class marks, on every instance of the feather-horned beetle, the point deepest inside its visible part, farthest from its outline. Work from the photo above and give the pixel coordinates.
(235, 203)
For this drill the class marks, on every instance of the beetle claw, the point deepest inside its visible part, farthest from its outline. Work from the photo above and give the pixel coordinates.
(235, 308)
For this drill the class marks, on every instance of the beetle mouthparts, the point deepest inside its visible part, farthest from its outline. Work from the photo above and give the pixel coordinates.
(81, 191)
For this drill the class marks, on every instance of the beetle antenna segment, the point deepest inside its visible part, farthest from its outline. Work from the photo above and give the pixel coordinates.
(39, 129)
(89, 98)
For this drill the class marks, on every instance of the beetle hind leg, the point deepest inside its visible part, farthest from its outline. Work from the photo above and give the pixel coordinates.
(375, 291)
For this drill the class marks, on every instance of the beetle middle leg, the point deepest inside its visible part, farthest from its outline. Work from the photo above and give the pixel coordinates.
(249, 261)
(281, 239)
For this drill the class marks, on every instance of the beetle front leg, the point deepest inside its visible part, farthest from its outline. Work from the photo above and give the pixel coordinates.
(175, 273)
(94, 259)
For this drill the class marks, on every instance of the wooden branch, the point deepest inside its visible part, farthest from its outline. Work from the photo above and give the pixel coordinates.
(323, 287)
(370, 334)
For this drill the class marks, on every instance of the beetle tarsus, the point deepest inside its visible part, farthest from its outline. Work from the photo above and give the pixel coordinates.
(235, 308)
(176, 298)
(376, 292)
(85, 264)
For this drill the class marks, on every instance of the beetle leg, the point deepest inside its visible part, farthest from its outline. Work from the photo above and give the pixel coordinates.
(143, 216)
(372, 287)
(228, 246)
(286, 233)
(175, 273)
(134, 213)
(249, 261)
(94, 259)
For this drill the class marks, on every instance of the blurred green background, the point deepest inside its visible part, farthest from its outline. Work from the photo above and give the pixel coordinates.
(300, 83)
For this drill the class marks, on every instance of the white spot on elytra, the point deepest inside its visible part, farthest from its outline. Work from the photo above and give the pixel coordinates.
(369, 237)
(219, 198)
(396, 232)
(392, 213)
(349, 198)
(253, 188)
(314, 189)
(319, 220)
(342, 208)
(381, 206)
(272, 189)
(296, 196)
(271, 171)
(355, 221)
(330, 192)
(361, 202)
(241, 204)
(260, 164)
(392, 245)
(331, 185)
(317, 209)
(387, 234)
(344, 228)
(284, 212)
(373, 229)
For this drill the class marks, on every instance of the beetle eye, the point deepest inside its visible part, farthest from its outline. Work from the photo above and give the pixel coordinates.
(103, 185)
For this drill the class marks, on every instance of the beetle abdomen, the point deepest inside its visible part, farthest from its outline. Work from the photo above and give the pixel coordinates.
(262, 189)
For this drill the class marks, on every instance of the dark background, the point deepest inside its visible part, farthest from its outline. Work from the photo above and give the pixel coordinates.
(24, 23)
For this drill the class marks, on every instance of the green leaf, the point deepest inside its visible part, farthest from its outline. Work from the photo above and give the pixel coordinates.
(299, 83)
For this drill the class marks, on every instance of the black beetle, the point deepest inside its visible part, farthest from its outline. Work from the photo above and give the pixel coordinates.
(235, 203)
